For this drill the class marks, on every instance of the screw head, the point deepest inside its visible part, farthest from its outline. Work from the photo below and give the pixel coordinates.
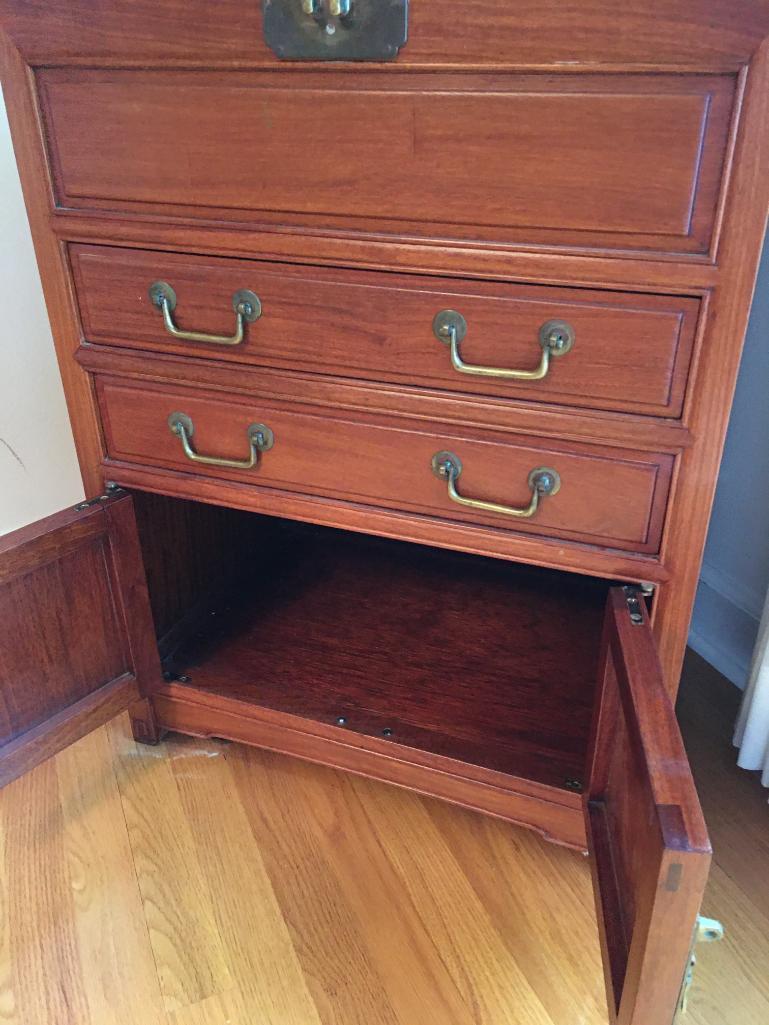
(545, 480)
(556, 340)
(341, 720)
(557, 336)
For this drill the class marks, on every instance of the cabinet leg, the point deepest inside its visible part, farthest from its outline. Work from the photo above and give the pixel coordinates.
(144, 724)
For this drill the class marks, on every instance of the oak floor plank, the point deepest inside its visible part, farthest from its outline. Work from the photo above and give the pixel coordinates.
(341, 976)
(116, 960)
(263, 960)
(419, 986)
(191, 959)
(731, 983)
(228, 1008)
(540, 901)
(43, 980)
(487, 976)
(398, 910)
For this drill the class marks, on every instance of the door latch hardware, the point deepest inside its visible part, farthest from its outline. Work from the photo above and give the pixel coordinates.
(342, 30)
(171, 677)
(706, 930)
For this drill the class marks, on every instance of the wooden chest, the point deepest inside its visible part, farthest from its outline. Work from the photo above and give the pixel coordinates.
(412, 331)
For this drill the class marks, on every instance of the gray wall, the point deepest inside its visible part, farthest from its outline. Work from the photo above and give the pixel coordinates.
(735, 570)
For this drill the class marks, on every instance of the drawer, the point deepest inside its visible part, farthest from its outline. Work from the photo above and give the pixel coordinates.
(626, 162)
(630, 352)
(609, 497)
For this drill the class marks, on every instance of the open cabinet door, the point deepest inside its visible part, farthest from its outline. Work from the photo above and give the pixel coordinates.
(648, 843)
(77, 645)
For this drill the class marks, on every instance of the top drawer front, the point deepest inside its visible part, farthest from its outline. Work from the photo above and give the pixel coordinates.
(582, 160)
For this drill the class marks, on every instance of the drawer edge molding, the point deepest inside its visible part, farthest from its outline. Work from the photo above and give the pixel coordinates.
(511, 416)
(420, 529)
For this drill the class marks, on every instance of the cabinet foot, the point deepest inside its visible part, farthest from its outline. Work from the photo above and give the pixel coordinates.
(144, 724)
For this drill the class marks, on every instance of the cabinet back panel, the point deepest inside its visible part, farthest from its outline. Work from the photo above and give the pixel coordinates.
(458, 655)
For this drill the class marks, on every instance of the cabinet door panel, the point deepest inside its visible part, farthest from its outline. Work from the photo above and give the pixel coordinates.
(648, 841)
(77, 645)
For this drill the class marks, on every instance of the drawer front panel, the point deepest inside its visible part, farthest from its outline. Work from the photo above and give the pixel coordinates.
(630, 353)
(583, 160)
(609, 497)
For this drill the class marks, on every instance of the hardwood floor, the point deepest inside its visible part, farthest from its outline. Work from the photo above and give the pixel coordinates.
(202, 883)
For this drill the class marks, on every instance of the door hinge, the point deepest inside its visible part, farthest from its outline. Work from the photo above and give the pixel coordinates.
(111, 491)
(634, 595)
(706, 930)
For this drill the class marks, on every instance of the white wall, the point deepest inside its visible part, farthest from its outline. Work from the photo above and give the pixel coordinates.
(735, 571)
(38, 468)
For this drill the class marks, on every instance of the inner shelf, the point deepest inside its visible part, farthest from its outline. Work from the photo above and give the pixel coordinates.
(482, 661)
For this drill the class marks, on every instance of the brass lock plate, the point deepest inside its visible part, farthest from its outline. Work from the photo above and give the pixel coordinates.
(335, 30)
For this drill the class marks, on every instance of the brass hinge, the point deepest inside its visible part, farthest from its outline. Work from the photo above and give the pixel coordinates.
(706, 930)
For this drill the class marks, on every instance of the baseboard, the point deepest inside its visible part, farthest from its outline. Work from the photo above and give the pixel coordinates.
(723, 631)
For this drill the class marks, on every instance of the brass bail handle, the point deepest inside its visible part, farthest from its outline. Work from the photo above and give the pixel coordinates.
(246, 304)
(556, 338)
(542, 480)
(260, 439)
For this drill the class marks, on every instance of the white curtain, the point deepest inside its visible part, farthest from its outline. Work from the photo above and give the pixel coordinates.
(751, 735)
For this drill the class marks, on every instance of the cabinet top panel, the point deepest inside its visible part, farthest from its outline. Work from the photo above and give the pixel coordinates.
(699, 33)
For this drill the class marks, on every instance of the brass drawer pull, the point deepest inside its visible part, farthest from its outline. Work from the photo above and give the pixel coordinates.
(260, 439)
(556, 338)
(543, 481)
(246, 304)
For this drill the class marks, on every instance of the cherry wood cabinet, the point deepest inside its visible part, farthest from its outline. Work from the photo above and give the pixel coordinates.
(418, 371)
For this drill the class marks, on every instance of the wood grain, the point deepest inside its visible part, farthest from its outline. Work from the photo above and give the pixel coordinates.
(644, 272)
(476, 677)
(649, 845)
(560, 985)
(715, 373)
(115, 957)
(191, 959)
(67, 882)
(495, 187)
(631, 351)
(688, 33)
(268, 973)
(77, 640)
(546, 420)
(384, 463)
(703, 39)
